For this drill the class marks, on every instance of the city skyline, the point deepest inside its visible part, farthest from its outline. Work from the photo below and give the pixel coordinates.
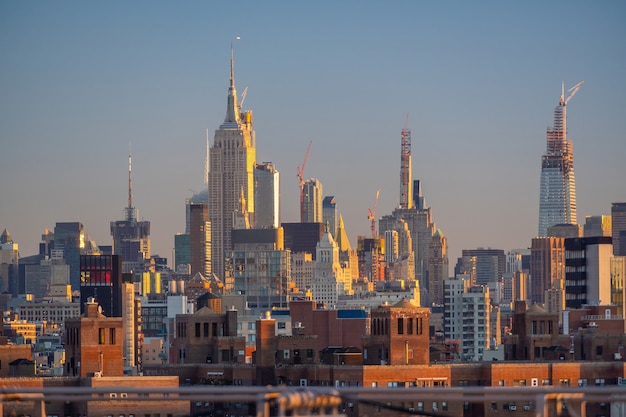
(81, 81)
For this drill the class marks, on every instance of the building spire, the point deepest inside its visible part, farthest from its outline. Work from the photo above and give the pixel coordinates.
(130, 210)
(232, 109)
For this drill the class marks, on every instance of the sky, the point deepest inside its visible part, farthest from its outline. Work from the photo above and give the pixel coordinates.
(479, 81)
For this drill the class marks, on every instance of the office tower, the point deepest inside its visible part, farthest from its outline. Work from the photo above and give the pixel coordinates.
(9, 264)
(232, 162)
(597, 226)
(391, 246)
(200, 239)
(259, 268)
(618, 228)
(557, 195)
(182, 251)
(330, 279)
(51, 274)
(329, 214)
(437, 267)
(267, 196)
(302, 270)
(489, 264)
(588, 271)
(70, 238)
(412, 209)
(131, 238)
(371, 254)
(547, 266)
(312, 202)
(303, 237)
(406, 170)
(101, 279)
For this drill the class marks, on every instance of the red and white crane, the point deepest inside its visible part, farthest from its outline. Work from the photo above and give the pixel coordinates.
(371, 215)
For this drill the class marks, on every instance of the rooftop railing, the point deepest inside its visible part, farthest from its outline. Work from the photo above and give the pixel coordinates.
(326, 401)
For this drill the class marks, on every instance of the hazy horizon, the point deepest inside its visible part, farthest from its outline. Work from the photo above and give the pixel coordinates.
(479, 81)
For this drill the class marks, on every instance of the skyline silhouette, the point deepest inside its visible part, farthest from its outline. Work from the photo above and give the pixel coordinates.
(80, 81)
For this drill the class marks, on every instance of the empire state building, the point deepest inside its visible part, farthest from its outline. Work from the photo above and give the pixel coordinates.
(231, 173)
(557, 196)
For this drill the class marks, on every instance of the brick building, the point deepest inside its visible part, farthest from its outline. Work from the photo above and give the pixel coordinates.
(207, 337)
(399, 335)
(93, 344)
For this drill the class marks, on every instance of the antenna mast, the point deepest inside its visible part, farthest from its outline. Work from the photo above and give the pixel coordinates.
(130, 210)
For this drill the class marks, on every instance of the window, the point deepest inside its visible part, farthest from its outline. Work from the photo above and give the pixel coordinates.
(112, 336)
(197, 329)
(206, 329)
(282, 325)
(400, 325)
(101, 336)
(409, 325)
(599, 350)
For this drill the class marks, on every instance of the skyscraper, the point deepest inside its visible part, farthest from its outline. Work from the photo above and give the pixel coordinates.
(618, 227)
(199, 240)
(70, 238)
(267, 195)
(312, 202)
(411, 209)
(557, 195)
(9, 261)
(232, 163)
(329, 214)
(131, 238)
(437, 267)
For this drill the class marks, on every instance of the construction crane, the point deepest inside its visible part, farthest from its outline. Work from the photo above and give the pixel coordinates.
(301, 181)
(571, 92)
(371, 215)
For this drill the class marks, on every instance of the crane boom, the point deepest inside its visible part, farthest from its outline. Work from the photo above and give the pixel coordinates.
(371, 215)
(572, 91)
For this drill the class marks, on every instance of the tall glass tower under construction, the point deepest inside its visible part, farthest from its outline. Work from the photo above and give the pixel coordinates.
(557, 196)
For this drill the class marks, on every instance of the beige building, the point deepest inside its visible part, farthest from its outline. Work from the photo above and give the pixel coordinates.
(232, 165)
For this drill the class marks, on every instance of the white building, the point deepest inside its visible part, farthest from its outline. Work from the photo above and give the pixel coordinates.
(467, 317)
(330, 279)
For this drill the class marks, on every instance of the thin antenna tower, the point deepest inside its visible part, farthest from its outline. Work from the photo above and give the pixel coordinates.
(406, 183)
(130, 210)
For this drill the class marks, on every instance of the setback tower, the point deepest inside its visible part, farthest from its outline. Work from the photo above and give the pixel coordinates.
(231, 172)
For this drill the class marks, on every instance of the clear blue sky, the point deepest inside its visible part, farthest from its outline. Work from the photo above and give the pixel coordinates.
(480, 80)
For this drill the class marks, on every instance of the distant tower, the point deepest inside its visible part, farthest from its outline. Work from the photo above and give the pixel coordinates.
(329, 214)
(312, 201)
(618, 227)
(232, 163)
(9, 263)
(406, 180)
(199, 240)
(69, 237)
(437, 267)
(131, 238)
(557, 196)
(267, 195)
